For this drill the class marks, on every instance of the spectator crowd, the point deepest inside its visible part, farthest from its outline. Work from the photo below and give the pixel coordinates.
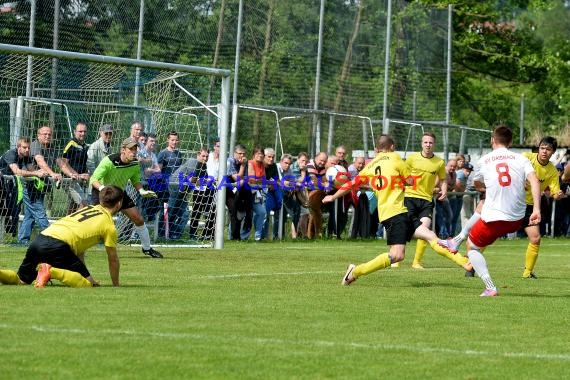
(268, 197)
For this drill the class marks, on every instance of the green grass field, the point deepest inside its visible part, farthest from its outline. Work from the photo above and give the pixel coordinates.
(277, 311)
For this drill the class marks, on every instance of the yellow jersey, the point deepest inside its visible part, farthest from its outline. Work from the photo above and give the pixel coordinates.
(426, 171)
(386, 174)
(547, 175)
(84, 228)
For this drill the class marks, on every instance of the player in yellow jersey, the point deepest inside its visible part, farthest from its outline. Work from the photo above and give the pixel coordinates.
(387, 174)
(430, 171)
(548, 176)
(58, 251)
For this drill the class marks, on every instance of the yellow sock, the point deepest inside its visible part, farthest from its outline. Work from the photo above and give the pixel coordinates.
(70, 278)
(421, 246)
(530, 259)
(379, 262)
(9, 277)
(457, 258)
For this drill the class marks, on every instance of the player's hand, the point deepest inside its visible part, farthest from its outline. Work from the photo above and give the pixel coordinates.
(328, 199)
(147, 193)
(41, 173)
(534, 219)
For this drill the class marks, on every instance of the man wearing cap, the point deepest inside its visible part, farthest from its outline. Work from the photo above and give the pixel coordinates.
(100, 148)
(118, 169)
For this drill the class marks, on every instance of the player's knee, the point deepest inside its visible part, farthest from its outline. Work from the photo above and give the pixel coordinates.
(534, 239)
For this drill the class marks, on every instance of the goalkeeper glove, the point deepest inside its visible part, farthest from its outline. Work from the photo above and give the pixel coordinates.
(147, 193)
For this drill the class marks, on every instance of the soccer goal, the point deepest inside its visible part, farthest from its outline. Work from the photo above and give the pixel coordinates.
(101, 90)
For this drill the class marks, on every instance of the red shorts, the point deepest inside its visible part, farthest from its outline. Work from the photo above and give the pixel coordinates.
(484, 234)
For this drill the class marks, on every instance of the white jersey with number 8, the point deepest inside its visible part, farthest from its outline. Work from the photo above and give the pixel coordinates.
(504, 174)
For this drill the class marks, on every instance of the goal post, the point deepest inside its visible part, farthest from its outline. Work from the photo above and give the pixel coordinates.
(95, 99)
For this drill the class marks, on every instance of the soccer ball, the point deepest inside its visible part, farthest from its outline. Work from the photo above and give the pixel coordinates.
(337, 175)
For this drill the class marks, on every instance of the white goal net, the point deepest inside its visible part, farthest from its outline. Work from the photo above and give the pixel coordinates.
(98, 94)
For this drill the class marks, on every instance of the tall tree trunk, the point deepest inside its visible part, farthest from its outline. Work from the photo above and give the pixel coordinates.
(347, 60)
(263, 70)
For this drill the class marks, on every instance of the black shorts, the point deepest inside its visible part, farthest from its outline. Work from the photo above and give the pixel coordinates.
(127, 201)
(418, 208)
(527, 214)
(399, 229)
(45, 249)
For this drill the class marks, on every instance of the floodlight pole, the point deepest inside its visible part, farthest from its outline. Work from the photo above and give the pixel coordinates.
(56, 16)
(448, 85)
(316, 117)
(521, 128)
(31, 44)
(385, 126)
(139, 54)
(233, 132)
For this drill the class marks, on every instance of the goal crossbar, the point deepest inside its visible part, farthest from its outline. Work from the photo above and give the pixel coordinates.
(75, 56)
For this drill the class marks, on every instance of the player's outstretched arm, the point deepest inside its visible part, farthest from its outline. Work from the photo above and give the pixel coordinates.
(114, 264)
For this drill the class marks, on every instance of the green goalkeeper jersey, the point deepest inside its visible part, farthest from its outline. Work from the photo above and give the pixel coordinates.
(112, 171)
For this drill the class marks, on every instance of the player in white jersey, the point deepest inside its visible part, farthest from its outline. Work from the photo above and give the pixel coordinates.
(503, 174)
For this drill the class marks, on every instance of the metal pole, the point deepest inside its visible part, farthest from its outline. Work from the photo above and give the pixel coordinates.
(414, 105)
(364, 137)
(31, 44)
(221, 200)
(331, 135)
(462, 141)
(139, 54)
(233, 133)
(521, 128)
(448, 85)
(387, 68)
(553, 218)
(316, 118)
(56, 11)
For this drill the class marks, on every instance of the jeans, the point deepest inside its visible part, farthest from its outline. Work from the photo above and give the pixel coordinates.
(10, 208)
(443, 216)
(291, 207)
(34, 211)
(259, 217)
(203, 203)
(456, 203)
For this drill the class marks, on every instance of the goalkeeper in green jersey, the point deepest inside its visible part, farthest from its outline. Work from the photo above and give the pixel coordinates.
(118, 169)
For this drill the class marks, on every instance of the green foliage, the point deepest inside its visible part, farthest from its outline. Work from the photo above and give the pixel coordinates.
(502, 50)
